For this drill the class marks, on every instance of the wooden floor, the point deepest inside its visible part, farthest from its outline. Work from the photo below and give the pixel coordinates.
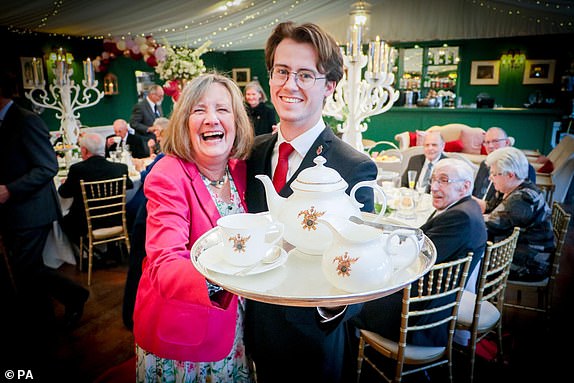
(101, 341)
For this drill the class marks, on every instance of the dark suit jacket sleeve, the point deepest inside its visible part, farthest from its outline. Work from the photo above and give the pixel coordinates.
(41, 157)
(137, 118)
(138, 146)
(449, 232)
(70, 188)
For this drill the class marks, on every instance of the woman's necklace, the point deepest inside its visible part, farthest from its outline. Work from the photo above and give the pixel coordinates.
(218, 184)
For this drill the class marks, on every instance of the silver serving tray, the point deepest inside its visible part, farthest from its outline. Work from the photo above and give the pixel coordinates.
(300, 280)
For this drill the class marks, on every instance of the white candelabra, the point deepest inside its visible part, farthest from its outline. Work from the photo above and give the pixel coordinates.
(354, 98)
(65, 96)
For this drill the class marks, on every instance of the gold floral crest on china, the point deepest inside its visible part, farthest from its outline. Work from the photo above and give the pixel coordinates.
(310, 216)
(344, 264)
(317, 191)
(239, 243)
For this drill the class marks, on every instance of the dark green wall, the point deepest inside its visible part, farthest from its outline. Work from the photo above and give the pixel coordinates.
(510, 92)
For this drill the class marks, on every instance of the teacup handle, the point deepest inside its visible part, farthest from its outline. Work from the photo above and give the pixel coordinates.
(401, 260)
(376, 188)
(279, 227)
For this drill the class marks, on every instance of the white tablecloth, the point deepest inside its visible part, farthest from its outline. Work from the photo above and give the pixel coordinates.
(58, 249)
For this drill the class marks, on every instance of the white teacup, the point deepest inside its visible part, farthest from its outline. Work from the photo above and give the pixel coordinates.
(248, 237)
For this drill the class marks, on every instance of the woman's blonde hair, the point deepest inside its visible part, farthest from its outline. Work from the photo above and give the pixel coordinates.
(255, 85)
(177, 139)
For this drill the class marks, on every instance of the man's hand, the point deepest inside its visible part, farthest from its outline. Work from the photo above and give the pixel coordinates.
(4, 194)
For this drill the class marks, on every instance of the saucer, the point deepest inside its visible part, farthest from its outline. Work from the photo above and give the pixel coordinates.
(212, 259)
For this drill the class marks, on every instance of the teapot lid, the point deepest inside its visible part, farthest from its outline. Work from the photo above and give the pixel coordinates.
(319, 178)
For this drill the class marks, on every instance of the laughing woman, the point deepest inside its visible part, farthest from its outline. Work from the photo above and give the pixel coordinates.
(185, 328)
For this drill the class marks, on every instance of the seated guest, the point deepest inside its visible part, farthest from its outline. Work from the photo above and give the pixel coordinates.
(137, 146)
(159, 126)
(94, 167)
(456, 228)
(522, 205)
(486, 196)
(433, 145)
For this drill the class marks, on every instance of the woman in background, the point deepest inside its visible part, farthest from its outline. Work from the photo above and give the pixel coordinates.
(187, 329)
(261, 115)
(522, 205)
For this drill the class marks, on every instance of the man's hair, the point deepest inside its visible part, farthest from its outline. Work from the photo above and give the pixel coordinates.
(458, 169)
(330, 59)
(94, 143)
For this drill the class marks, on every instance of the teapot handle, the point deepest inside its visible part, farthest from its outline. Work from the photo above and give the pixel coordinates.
(376, 188)
(402, 260)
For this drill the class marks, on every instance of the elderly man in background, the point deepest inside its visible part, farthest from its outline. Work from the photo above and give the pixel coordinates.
(137, 146)
(94, 167)
(484, 192)
(423, 164)
(146, 111)
(456, 228)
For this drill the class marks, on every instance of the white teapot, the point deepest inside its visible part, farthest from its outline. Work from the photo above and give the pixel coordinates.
(362, 258)
(317, 191)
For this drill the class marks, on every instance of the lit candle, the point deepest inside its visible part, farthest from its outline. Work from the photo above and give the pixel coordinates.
(89, 72)
(35, 69)
(377, 56)
(354, 48)
(59, 71)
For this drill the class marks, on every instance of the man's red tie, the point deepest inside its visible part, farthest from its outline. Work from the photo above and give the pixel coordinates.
(280, 175)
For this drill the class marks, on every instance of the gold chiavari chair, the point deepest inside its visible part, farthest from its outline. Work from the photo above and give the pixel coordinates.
(432, 290)
(105, 207)
(545, 288)
(481, 313)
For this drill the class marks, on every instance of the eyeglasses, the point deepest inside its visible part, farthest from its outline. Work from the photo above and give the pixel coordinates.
(494, 141)
(304, 78)
(444, 180)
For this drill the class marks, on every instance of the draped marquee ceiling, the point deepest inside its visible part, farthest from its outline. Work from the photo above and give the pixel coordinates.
(246, 24)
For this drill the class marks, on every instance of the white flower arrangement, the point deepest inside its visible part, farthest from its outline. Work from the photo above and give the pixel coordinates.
(181, 62)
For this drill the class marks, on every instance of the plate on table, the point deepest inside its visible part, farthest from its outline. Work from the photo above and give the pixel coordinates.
(212, 259)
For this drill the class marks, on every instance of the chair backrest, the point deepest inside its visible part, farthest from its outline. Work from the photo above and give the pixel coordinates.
(560, 223)
(104, 202)
(435, 296)
(494, 270)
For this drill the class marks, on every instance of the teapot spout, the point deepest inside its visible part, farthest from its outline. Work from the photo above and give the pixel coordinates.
(274, 201)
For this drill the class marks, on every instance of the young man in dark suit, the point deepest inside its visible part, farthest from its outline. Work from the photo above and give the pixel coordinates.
(29, 206)
(138, 147)
(94, 167)
(284, 341)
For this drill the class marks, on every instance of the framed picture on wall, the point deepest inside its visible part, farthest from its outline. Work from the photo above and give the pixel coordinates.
(484, 72)
(32, 71)
(539, 72)
(241, 76)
